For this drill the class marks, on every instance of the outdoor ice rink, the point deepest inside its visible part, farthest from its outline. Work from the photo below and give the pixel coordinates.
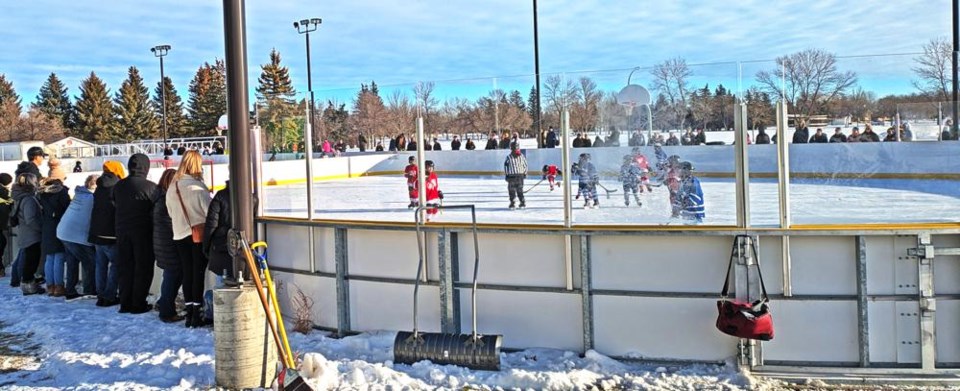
(384, 198)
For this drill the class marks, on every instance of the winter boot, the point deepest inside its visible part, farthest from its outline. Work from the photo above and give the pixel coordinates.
(190, 315)
(31, 288)
(198, 318)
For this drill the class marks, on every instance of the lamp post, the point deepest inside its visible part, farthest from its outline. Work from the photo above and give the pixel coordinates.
(305, 27)
(536, 71)
(161, 51)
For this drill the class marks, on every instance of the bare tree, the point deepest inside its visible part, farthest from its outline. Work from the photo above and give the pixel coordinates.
(933, 69)
(426, 103)
(670, 80)
(809, 80)
(400, 113)
(559, 93)
(584, 112)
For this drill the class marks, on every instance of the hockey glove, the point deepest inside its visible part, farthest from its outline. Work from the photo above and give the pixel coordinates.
(440, 194)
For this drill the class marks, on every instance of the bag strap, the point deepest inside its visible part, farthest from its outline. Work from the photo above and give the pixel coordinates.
(182, 206)
(735, 250)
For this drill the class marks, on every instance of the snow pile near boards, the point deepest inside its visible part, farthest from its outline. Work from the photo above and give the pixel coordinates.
(91, 348)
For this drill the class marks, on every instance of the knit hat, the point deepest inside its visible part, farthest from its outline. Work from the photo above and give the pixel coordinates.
(114, 167)
(56, 172)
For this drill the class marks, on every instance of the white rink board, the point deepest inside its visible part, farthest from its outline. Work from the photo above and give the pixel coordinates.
(643, 264)
(813, 331)
(526, 319)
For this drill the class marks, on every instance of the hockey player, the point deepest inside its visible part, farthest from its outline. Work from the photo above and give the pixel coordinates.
(690, 195)
(644, 169)
(669, 171)
(587, 181)
(550, 173)
(630, 175)
(515, 170)
(411, 172)
(432, 187)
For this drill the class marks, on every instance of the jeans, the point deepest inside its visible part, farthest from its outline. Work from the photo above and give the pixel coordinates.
(16, 269)
(172, 279)
(107, 271)
(53, 268)
(79, 255)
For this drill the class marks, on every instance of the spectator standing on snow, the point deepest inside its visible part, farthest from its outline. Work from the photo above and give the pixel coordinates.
(54, 199)
(6, 205)
(868, 135)
(455, 144)
(73, 232)
(838, 136)
(854, 135)
(218, 223)
(551, 138)
(28, 221)
(491, 142)
(103, 234)
(762, 136)
(35, 157)
(165, 250)
(818, 137)
(77, 167)
(802, 134)
(470, 145)
(134, 197)
(187, 203)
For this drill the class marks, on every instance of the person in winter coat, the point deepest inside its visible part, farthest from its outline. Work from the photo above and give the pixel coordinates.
(165, 251)
(187, 202)
(215, 230)
(802, 134)
(436, 145)
(551, 138)
(103, 234)
(73, 231)
(35, 157)
(763, 137)
(6, 204)
(891, 135)
(54, 199)
(854, 136)
(838, 136)
(29, 226)
(491, 142)
(869, 136)
(133, 198)
(455, 144)
(56, 169)
(470, 145)
(700, 138)
(77, 167)
(818, 137)
(412, 145)
(515, 170)
(362, 142)
(504, 141)
(672, 140)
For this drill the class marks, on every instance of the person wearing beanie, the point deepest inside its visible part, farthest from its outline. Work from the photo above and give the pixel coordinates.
(56, 171)
(103, 234)
(133, 198)
(6, 205)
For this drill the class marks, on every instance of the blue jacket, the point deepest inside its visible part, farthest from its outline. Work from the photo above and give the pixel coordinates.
(691, 198)
(75, 223)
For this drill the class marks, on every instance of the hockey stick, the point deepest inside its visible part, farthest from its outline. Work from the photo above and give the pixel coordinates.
(606, 189)
(534, 185)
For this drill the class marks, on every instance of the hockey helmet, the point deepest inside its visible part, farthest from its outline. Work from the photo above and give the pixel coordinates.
(686, 166)
(627, 158)
(411, 159)
(673, 159)
(428, 163)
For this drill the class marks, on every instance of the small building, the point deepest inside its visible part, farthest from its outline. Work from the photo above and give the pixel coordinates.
(17, 150)
(71, 147)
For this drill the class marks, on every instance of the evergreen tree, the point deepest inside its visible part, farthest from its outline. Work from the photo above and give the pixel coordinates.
(10, 108)
(275, 94)
(208, 98)
(54, 102)
(532, 107)
(176, 121)
(135, 116)
(95, 121)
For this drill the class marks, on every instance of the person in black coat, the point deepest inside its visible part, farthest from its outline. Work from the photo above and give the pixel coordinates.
(455, 144)
(762, 137)
(818, 137)
(164, 248)
(436, 145)
(103, 234)
(54, 199)
(412, 146)
(491, 142)
(551, 138)
(6, 205)
(215, 234)
(801, 135)
(134, 197)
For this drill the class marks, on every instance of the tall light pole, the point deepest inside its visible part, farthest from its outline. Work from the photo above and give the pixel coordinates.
(306, 26)
(161, 51)
(536, 71)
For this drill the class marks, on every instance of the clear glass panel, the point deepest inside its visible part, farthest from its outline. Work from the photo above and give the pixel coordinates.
(282, 121)
(656, 132)
(882, 178)
(761, 101)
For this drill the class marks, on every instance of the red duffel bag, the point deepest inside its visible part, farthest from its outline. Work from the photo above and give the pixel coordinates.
(740, 319)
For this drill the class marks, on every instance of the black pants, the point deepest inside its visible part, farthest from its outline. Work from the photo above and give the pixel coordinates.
(135, 261)
(193, 264)
(31, 260)
(3, 247)
(515, 187)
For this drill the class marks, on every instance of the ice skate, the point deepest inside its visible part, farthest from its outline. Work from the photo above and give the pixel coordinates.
(523, 205)
(596, 204)
(513, 206)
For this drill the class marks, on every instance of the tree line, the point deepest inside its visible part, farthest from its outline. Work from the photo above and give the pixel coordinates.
(810, 81)
(132, 113)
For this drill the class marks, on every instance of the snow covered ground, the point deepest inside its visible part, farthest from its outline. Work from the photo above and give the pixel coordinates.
(384, 198)
(83, 347)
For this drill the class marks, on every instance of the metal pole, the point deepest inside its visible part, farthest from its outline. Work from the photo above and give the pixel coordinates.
(163, 104)
(742, 166)
(234, 28)
(783, 182)
(310, 89)
(956, 58)
(567, 203)
(649, 123)
(536, 71)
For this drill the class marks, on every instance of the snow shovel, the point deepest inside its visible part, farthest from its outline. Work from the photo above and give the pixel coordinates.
(474, 351)
(288, 379)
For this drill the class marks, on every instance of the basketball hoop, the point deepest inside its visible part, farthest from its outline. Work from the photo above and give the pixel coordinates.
(628, 107)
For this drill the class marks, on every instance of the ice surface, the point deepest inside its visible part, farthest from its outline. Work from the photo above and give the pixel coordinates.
(384, 198)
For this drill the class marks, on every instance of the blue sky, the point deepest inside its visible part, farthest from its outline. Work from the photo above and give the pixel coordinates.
(463, 44)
